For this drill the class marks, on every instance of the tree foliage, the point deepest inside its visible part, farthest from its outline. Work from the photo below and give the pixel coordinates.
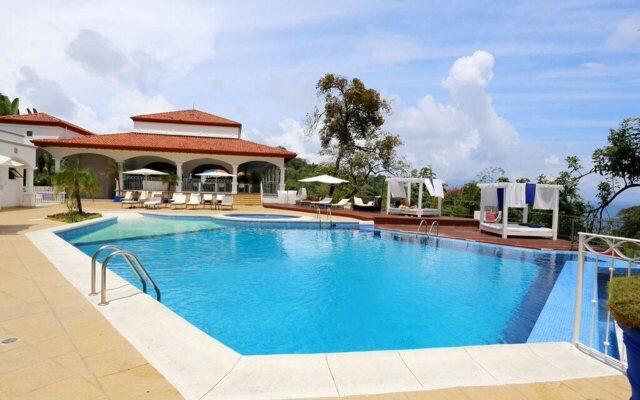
(76, 182)
(349, 125)
(8, 106)
(618, 163)
(630, 218)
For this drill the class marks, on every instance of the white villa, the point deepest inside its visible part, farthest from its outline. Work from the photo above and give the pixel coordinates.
(187, 142)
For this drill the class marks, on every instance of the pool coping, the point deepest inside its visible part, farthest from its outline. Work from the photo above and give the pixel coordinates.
(199, 366)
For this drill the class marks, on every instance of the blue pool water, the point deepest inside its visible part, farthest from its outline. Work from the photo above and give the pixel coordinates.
(271, 291)
(262, 216)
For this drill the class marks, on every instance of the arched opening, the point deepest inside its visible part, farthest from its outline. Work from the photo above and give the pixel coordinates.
(150, 182)
(99, 165)
(192, 182)
(251, 174)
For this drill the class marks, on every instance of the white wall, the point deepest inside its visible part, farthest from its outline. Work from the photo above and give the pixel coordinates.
(19, 149)
(187, 130)
(40, 131)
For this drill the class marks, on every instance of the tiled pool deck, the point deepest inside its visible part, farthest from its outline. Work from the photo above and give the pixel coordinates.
(68, 349)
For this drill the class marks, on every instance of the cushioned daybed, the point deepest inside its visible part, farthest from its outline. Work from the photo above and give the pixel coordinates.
(517, 230)
(413, 211)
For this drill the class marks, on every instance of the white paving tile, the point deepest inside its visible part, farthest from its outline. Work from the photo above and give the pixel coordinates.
(277, 377)
(371, 372)
(446, 367)
(515, 363)
(571, 360)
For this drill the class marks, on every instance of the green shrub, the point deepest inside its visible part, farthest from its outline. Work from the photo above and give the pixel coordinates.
(624, 300)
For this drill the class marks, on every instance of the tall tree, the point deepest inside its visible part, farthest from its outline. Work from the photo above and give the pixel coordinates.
(618, 163)
(75, 181)
(8, 106)
(350, 128)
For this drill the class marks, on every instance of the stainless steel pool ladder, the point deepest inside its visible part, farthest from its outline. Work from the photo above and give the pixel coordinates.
(131, 260)
(319, 217)
(430, 232)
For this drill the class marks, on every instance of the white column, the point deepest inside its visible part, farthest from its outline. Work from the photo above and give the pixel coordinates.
(234, 180)
(482, 212)
(120, 176)
(57, 163)
(388, 196)
(282, 178)
(28, 197)
(556, 210)
(439, 206)
(409, 193)
(505, 211)
(179, 173)
(420, 200)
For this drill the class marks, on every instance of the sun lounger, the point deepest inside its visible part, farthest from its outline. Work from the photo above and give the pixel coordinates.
(226, 202)
(179, 199)
(416, 212)
(373, 205)
(194, 200)
(156, 200)
(128, 200)
(207, 198)
(322, 203)
(341, 204)
(143, 197)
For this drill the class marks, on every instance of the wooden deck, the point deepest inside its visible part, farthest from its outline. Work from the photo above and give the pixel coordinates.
(452, 227)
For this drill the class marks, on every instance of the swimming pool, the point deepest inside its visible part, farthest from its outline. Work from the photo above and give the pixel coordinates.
(273, 291)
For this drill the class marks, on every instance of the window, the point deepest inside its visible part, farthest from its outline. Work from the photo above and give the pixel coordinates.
(29, 133)
(13, 173)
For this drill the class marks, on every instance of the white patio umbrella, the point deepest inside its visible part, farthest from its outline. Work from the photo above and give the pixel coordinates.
(144, 172)
(215, 174)
(8, 162)
(331, 180)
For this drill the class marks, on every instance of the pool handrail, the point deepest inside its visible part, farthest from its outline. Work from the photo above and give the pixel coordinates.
(93, 268)
(126, 255)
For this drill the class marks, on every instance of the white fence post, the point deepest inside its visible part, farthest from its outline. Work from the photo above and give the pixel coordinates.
(579, 282)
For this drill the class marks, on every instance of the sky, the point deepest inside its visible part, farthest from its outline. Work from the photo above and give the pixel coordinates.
(519, 85)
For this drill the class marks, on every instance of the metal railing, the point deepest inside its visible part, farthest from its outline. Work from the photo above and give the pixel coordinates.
(435, 224)
(47, 194)
(609, 256)
(208, 186)
(132, 261)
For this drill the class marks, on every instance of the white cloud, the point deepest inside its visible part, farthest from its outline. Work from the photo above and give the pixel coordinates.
(593, 66)
(292, 137)
(389, 48)
(466, 135)
(552, 159)
(627, 34)
(104, 53)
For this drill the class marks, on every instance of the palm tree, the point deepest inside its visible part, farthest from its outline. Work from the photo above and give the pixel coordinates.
(8, 107)
(114, 171)
(171, 179)
(75, 182)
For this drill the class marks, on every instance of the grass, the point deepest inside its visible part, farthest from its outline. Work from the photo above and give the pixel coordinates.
(73, 216)
(624, 300)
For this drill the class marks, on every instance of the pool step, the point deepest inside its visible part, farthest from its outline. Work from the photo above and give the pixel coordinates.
(247, 199)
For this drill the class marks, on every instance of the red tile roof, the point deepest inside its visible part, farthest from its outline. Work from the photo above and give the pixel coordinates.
(43, 119)
(190, 117)
(169, 143)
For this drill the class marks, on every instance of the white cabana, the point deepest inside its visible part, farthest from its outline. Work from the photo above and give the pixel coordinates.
(505, 195)
(396, 189)
(330, 180)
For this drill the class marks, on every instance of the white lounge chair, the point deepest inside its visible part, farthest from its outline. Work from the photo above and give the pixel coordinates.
(156, 200)
(194, 200)
(341, 204)
(207, 198)
(144, 196)
(324, 202)
(227, 201)
(128, 200)
(179, 199)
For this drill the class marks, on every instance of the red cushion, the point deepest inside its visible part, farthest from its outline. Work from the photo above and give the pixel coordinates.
(491, 217)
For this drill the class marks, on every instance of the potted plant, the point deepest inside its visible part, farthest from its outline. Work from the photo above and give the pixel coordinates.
(624, 304)
(171, 180)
